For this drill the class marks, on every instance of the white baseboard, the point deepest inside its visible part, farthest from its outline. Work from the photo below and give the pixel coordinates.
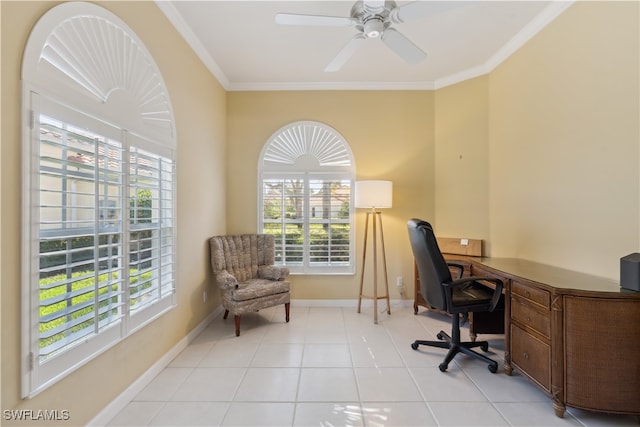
(348, 303)
(119, 403)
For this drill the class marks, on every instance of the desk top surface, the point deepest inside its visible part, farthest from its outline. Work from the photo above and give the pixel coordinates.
(553, 276)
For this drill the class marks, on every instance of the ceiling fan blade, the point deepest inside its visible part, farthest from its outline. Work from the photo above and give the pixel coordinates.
(420, 9)
(402, 46)
(345, 53)
(313, 20)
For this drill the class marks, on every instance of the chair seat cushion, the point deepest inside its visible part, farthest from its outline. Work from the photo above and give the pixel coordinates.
(471, 295)
(257, 288)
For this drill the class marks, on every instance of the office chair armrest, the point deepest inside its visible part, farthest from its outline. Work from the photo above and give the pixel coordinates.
(496, 293)
(459, 267)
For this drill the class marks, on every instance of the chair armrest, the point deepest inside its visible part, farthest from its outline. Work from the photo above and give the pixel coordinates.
(457, 266)
(496, 293)
(272, 272)
(226, 281)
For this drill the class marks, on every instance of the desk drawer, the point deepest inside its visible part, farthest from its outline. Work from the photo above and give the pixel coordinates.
(532, 356)
(529, 315)
(539, 296)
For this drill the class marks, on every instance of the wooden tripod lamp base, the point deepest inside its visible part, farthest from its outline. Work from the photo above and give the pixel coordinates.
(374, 194)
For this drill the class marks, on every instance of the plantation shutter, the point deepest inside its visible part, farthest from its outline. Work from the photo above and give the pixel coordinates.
(104, 223)
(283, 216)
(80, 228)
(151, 231)
(329, 222)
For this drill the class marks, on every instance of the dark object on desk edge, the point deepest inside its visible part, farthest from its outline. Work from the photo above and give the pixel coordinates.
(630, 272)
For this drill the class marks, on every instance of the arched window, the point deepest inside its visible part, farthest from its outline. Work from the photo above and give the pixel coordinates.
(305, 182)
(99, 190)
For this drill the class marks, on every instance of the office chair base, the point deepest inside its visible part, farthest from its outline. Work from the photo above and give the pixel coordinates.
(459, 347)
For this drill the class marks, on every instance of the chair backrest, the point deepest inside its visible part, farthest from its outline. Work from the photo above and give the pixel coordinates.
(241, 255)
(433, 270)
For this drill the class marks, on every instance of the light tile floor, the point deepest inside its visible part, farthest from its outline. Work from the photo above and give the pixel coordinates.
(333, 367)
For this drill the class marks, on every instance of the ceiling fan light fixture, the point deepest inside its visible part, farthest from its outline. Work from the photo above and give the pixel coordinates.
(373, 27)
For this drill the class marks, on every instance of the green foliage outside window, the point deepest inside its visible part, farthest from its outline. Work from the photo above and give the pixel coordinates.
(140, 206)
(49, 292)
(76, 296)
(318, 240)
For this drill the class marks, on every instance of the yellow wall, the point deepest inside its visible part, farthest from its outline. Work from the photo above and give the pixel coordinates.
(564, 142)
(199, 105)
(462, 160)
(391, 136)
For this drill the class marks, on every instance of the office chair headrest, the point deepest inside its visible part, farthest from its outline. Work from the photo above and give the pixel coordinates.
(419, 223)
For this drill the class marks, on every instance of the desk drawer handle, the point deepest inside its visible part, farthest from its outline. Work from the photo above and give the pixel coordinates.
(527, 294)
(526, 355)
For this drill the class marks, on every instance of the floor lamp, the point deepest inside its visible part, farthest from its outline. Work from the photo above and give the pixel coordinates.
(374, 195)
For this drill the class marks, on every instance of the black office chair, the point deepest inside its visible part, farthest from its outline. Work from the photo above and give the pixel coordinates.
(457, 297)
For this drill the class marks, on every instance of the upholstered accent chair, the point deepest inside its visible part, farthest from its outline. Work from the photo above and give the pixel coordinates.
(244, 270)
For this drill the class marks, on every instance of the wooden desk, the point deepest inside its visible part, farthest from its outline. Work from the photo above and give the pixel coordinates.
(574, 335)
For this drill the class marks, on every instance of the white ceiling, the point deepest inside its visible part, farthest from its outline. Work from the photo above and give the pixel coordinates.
(241, 44)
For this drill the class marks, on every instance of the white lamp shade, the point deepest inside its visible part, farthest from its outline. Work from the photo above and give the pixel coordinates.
(374, 194)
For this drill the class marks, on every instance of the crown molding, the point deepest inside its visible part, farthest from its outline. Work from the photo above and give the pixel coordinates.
(193, 41)
(536, 25)
(467, 74)
(301, 86)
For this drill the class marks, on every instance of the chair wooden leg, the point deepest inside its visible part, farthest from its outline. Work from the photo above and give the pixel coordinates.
(237, 318)
(226, 313)
(286, 310)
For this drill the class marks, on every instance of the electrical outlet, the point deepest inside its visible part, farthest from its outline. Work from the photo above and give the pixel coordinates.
(464, 242)
(400, 286)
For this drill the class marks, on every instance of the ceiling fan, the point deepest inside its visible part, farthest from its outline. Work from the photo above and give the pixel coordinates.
(373, 19)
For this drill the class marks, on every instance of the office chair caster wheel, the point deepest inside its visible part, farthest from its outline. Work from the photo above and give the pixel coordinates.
(440, 336)
(414, 345)
(485, 347)
(442, 367)
(493, 369)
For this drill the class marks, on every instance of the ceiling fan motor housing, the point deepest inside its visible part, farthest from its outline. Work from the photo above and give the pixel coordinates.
(372, 21)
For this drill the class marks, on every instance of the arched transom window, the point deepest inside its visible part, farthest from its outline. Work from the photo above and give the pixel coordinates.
(305, 182)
